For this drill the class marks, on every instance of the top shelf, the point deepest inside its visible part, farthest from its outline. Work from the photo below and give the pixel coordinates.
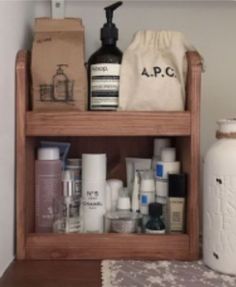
(107, 123)
(75, 123)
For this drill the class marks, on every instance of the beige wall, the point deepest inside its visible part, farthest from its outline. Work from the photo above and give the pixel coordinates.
(15, 19)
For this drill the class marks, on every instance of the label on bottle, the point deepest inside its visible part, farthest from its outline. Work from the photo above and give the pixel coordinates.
(159, 170)
(150, 231)
(105, 80)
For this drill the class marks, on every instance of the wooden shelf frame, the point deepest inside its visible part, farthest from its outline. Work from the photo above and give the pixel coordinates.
(110, 123)
(30, 125)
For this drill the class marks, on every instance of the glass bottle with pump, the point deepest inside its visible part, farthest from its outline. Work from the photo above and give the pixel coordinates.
(104, 67)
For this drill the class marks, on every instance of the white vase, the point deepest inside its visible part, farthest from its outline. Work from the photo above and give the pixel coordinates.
(219, 201)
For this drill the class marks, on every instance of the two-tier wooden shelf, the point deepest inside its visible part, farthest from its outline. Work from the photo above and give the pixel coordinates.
(119, 134)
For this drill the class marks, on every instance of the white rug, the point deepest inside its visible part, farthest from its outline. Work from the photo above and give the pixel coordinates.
(162, 273)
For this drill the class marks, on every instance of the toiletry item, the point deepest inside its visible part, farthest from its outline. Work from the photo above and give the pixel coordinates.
(147, 190)
(59, 82)
(104, 67)
(158, 145)
(219, 200)
(67, 207)
(168, 163)
(135, 194)
(75, 166)
(134, 164)
(93, 191)
(162, 196)
(123, 200)
(176, 202)
(116, 185)
(124, 221)
(48, 168)
(155, 224)
(108, 197)
(64, 148)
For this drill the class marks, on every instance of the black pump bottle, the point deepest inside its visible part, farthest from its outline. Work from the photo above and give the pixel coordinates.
(104, 68)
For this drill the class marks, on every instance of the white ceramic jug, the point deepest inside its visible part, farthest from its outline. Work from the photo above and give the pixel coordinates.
(219, 200)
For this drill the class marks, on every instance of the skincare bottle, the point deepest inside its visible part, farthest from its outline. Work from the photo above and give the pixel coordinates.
(93, 191)
(48, 168)
(67, 207)
(158, 145)
(147, 190)
(162, 195)
(104, 68)
(168, 163)
(115, 186)
(155, 224)
(176, 202)
(75, 166)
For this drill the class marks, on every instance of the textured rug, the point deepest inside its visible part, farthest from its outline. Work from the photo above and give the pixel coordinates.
(162, 273)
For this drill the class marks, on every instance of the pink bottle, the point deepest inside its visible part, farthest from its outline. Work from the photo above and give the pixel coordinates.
(48, 169)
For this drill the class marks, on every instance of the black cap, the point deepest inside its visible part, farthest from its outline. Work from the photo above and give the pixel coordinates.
(109, 32)
(155, 209)
(177, 185)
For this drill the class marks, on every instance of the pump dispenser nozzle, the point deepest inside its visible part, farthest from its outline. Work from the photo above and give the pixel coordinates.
(109, 32)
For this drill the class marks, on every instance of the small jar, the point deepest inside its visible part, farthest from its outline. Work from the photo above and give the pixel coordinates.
(219, 198)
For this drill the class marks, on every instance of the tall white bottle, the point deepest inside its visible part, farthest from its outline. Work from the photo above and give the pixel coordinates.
(93, 191)
(219, 201)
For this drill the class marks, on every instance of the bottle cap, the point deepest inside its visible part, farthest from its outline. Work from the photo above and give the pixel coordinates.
(155, 209)
(48, 153)
(177, 185)
(109, 32)
(159, 144)
(123, 203)
(168, 154)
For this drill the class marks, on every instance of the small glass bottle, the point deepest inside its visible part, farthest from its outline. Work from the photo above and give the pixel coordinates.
(155, 224)
(67, 208)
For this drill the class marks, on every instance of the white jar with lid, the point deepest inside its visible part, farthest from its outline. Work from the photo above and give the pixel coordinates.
(219, 200)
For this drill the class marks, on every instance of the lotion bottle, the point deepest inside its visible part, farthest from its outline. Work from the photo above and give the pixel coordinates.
(48, 171)
(104, 68)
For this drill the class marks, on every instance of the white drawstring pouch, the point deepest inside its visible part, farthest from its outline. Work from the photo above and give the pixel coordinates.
(153, 72)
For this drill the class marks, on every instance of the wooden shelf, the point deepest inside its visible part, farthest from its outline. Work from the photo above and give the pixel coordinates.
(107, 246)
(119, 134)
(107, 123)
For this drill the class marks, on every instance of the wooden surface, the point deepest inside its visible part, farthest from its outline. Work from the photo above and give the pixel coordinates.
(194, 92)
(107, 246)
(52, 274)
(21, 106)
(182, 125)
(107, 123)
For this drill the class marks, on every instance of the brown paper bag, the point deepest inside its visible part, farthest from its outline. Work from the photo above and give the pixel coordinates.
(57, 67)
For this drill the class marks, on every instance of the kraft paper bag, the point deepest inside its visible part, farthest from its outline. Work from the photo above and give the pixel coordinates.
(153, 72)
(59, 79)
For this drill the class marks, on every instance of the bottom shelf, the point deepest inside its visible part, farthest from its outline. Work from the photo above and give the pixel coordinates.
(107, 246)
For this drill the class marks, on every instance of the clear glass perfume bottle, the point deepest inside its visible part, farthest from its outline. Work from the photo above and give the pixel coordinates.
(67, 217)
